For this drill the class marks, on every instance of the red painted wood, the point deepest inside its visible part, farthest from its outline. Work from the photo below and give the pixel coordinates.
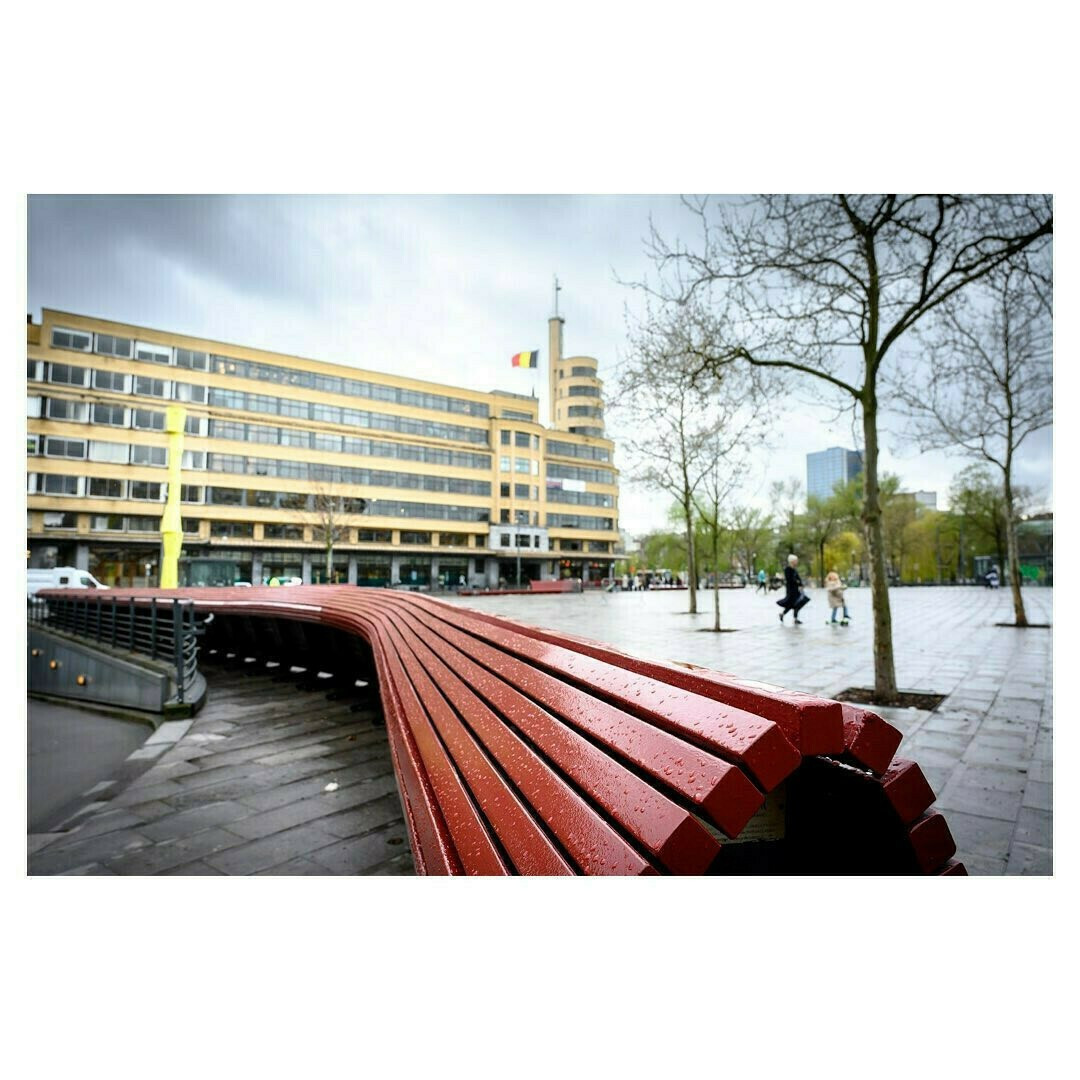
(526, 843)
(756, 744)
(669, 834)
(932, 842)
(869, 739)
(590, 841)
(812, 724)
(907, 789)
(720, 789)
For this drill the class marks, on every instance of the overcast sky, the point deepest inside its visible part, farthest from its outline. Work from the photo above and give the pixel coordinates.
(441, 288)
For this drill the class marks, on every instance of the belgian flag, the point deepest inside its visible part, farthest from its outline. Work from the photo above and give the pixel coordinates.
(526, 359)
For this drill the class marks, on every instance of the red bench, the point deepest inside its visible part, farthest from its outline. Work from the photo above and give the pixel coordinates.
(525, 751)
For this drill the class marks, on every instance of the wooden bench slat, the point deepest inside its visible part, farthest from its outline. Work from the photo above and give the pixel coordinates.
(752, 742)
(525, 842)
(668, 833)
(722, 791)
(474, 846)
(814, 725)
(590, 841)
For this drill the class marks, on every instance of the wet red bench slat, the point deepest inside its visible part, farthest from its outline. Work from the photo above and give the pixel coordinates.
(720, 789)
(752, 742)
(667, 833)
(593, 844)
(814, 725)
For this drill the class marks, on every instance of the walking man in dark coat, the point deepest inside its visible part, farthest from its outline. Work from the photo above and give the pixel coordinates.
(794, 597)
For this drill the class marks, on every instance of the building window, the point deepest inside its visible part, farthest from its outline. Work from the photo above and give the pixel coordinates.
(68, 448)
(329, 414)
(536, 541)
(109, 345)
(504, 464)
(193, 459)
(60, 520)
(53, 484)
(521, 439)
(416, 538)
(103, 488)
(504, 517)
(504, 437)
(331, 443)
(191, 493)
(115, 381)
(374, 536)
(227, 399)
(195, 361)
(283, 532)
(71, 339)
(195, 425)
(149, 455)
(236, 529)
(504, 491)
(521, 517)
(222, 496)
(454, 539)
(142, 489)
(189, 392)
(151, 387)
(117, 453)
(69, 375)
(587, 372)
(113, 415)
(190, 526)
(523, 540)
(504, 540)
(35, 369)
(521, 465)
(153, 354)
(147, 420)
(521, 491)
(62, 409)
(143, 524)
(107, 523)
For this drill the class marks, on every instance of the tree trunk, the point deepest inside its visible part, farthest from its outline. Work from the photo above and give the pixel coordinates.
(329, 562)
(884, 668)
(691, 557)
(716, 579)
(1014, 552)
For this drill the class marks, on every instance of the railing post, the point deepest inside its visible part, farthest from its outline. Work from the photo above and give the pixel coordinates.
(131, 623)
(113, 638)
(178, 649)
(153, 628)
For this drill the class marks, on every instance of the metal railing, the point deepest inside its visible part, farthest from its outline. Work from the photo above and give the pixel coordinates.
(164, 630)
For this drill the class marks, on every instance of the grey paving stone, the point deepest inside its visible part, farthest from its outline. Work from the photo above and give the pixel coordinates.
(1003, 805)
(186, 822)
(990, 777)
(1030, 861)
(150, 811)
(1039, 796)
(147, 793)
(365, 817)
(982, 866)
(1034, 827)
(983, 836)
(252, 856)
(169, 732)
(400, 866)
(105, 822)
(297, 868)
(65, 854)
(287, 757)
(361, 854)
(193, 869)
(172, 853)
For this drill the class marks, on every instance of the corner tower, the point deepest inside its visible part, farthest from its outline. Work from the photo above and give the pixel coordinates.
(576, 394)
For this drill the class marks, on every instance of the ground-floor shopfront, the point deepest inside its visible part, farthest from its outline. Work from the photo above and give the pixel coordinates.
(136, 565)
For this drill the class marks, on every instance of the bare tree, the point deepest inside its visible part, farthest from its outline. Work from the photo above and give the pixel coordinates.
(989, 385)
(728, 454)
(675, 430)
(330, 516)
(825, 286)
(787, 496)
(752, 529)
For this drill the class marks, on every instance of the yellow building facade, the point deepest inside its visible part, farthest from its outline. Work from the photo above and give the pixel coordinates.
(294, 467)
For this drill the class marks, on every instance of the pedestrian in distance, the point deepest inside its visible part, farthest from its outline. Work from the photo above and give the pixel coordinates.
(762, 582)
(834, 589)
(794, 597)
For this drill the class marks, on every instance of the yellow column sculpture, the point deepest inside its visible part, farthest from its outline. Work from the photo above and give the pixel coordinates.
(171, 530)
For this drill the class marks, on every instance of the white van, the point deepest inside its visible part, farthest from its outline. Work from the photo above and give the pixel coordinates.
(60, 577)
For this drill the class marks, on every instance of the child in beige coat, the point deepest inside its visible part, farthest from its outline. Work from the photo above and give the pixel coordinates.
(834, 589)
